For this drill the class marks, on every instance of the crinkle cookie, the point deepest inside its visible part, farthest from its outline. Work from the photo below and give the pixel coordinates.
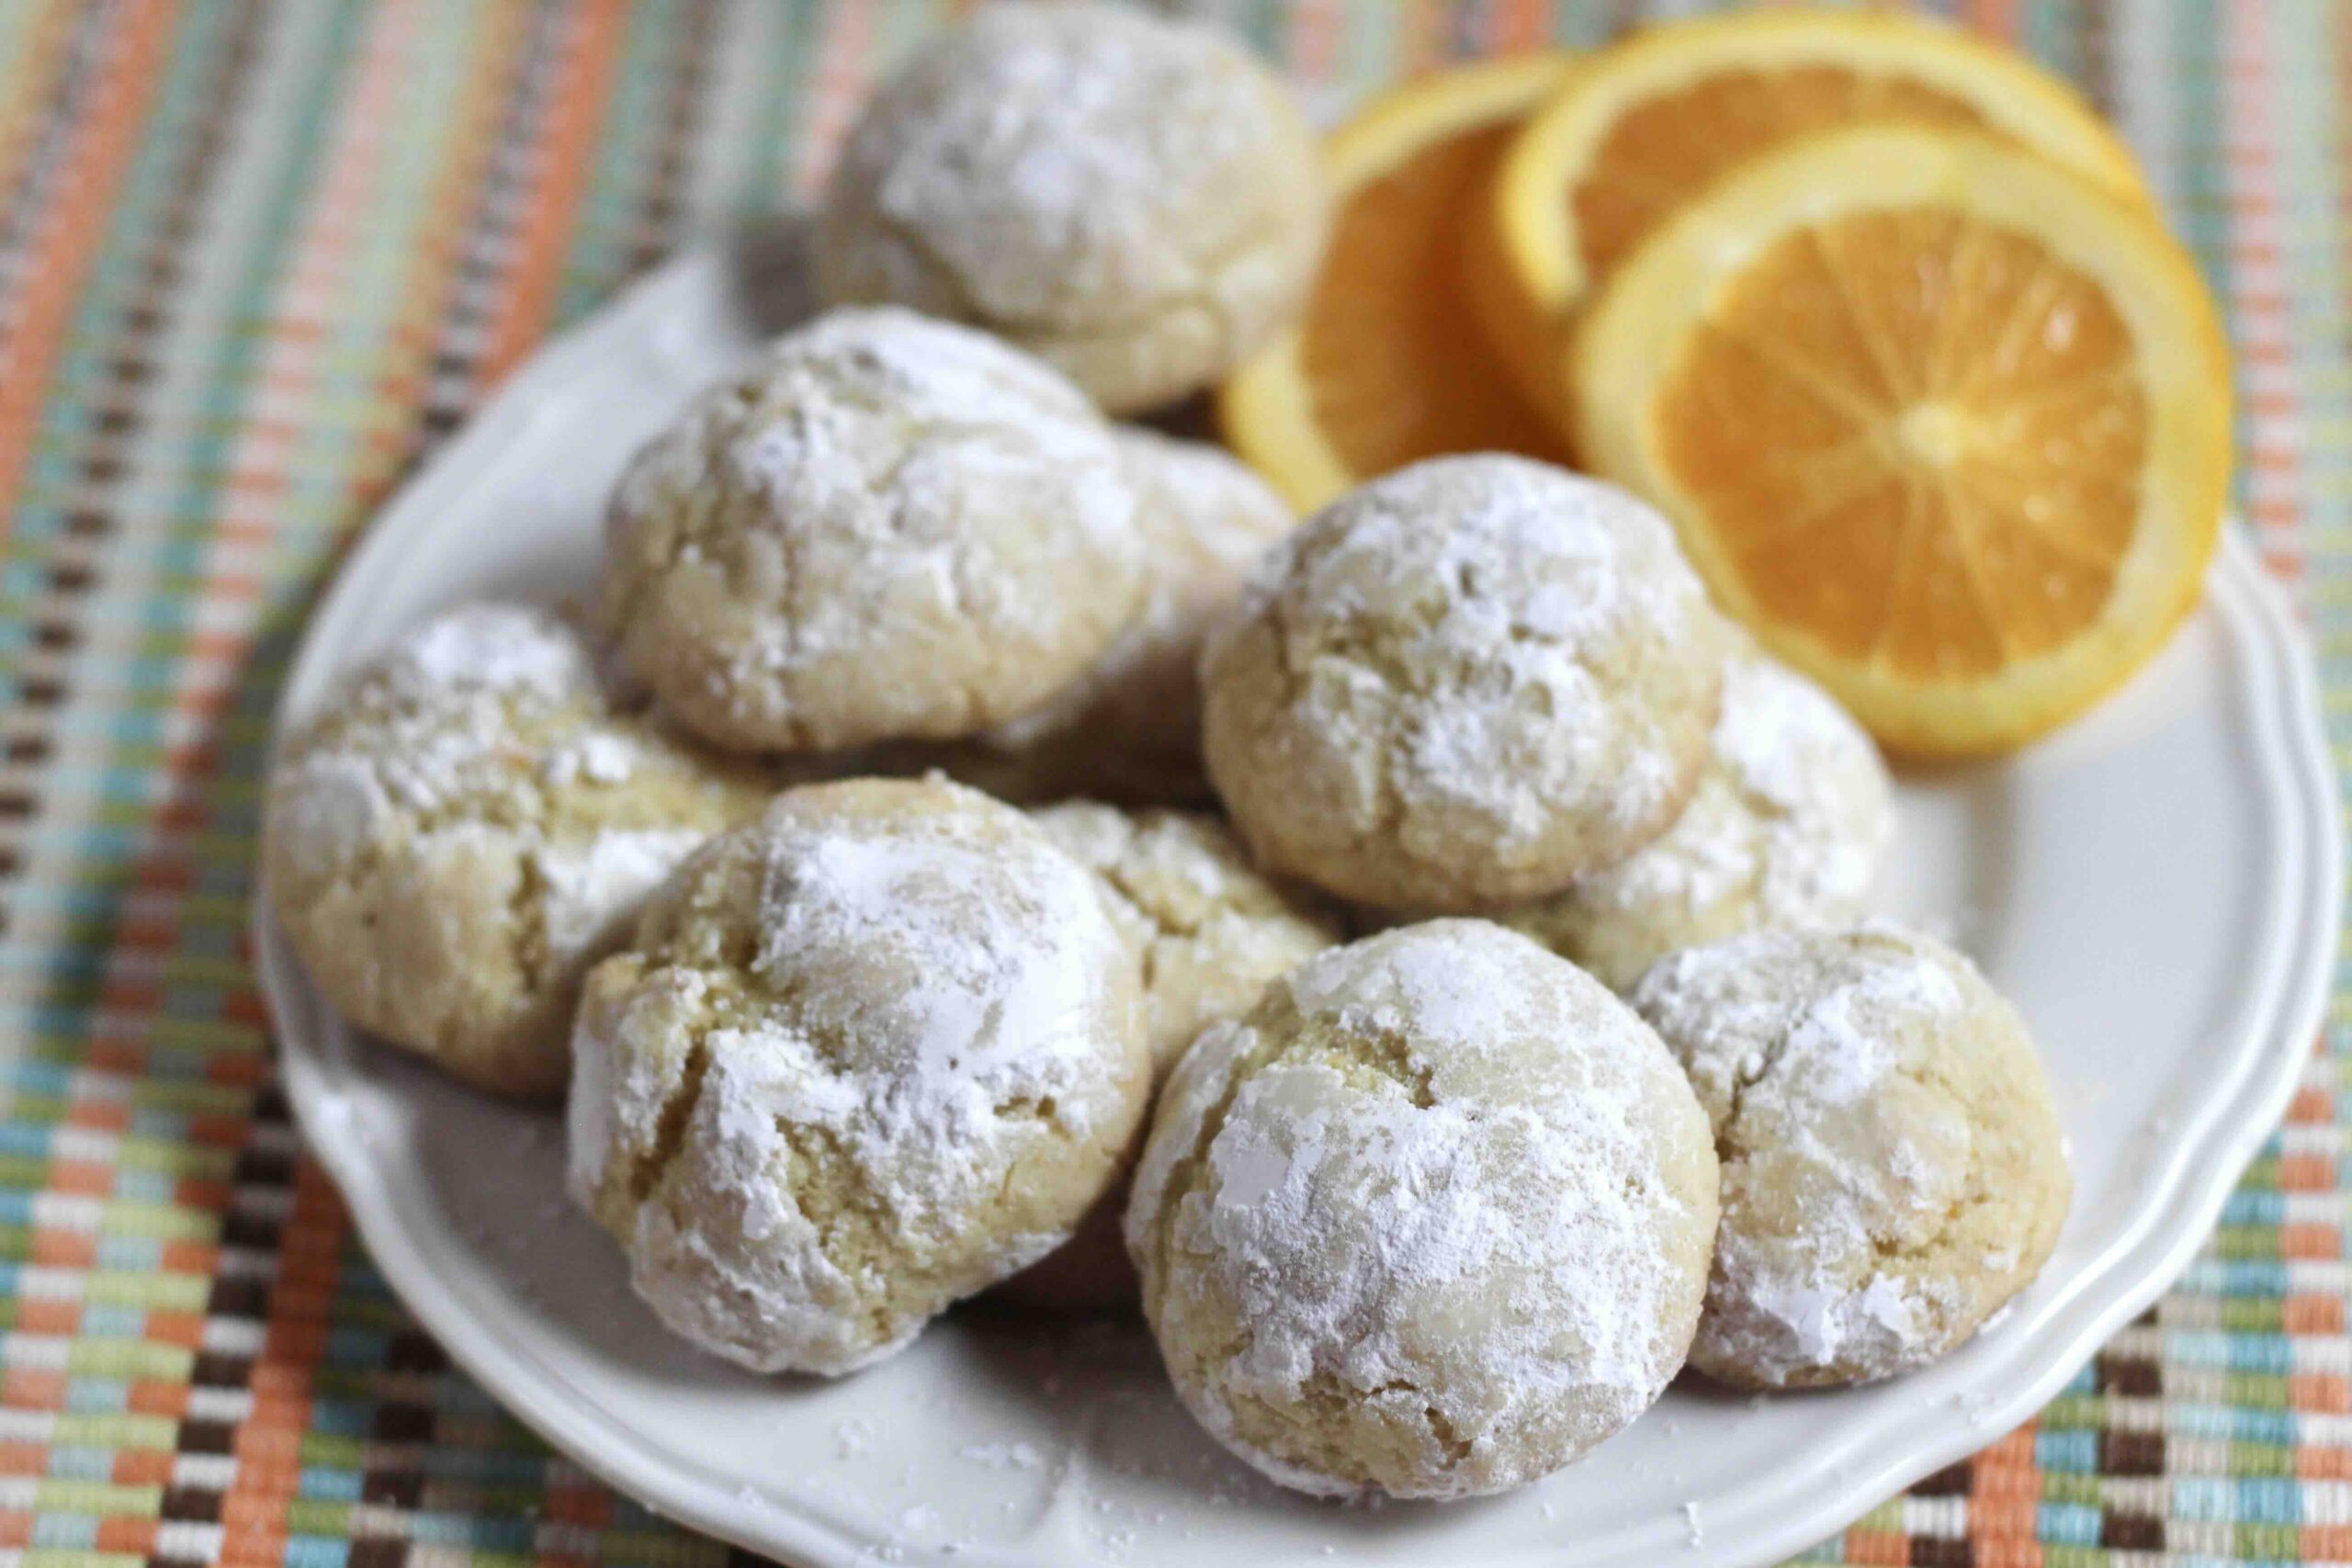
(1134, 198)
(868, 1054)
(468, 825)
(1464, 684)
(1129, 729)
(1212, 933)
(1892, 1169)
(1431, 1220)
(1787, 828)
(888, 527)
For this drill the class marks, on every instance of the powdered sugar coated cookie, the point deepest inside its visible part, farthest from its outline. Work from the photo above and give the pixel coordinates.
(1431, 1220)
(1134, 198)
(1892, 1169)
(468, 824)
(867, 1055)
(1463, 684)
(890, 528)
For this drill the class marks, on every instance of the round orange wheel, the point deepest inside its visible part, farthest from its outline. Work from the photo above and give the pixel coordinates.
(1946, 425)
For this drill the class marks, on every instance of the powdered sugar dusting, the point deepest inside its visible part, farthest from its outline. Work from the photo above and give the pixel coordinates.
(1811, 775)
(602, 756)
(432, 721)
(1464, 1221)
(990, 1002)
(491, 646)
(591, 887)
(1209, 502)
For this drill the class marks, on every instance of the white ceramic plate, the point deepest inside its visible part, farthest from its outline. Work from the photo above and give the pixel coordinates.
(2158, 888)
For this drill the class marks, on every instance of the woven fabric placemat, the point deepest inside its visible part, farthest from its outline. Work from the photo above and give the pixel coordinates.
(256, 259)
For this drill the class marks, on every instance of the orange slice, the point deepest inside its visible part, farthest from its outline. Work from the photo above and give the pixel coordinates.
(1946, 425)
(1647, 126)
(1386, 365)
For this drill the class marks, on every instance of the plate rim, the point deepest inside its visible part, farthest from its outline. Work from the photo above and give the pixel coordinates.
(2291, 759)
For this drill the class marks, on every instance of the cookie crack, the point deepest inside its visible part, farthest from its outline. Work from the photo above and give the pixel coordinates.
(646, 1169)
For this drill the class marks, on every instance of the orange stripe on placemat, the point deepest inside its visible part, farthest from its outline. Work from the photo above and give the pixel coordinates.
(142, 1467)
(268, 1443)
(2306, 1173)
(32, 1388)
(1314, 47)
(37, 1315)
(185, 1329)
(566, 160)
(1998, 17)
(2004, 1501)
(59, 260)
(85, 1178)
(157, 1396)
(2319, 1394)
(579, 1503)
(55, 1248)
(2307, 1240)
(838, 86)
(1887, 1547)
(100, 1116)
(128, 1535)
(1520, 25)
(2316, 1315)
(1420, 38)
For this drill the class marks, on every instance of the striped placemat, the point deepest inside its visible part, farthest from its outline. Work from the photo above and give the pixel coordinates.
(257, 258)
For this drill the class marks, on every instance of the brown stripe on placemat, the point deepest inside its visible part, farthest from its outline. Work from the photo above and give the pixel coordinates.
(683, 102)
(236, 1317)
(2131, 1453)
(486, 249)
(1942, 1551)
(2119, 1531)
(2134, 1376)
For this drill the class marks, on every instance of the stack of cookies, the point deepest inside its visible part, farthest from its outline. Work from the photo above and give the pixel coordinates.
(1429, 1213)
